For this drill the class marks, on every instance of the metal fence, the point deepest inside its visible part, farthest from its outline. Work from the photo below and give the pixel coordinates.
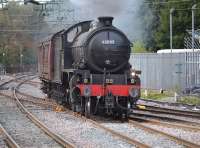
(20, 68)
(168, 70)
(2, 69)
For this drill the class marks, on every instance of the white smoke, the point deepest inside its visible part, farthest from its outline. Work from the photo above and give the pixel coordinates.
(125, 13)
(101, 7)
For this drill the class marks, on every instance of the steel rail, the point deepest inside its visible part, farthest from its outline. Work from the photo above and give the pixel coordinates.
(114, 133)
(37, 100)
(129, 140)
(38, 123)
(168, 103)
(124, 137)
(15, 79)
(166, 124)
(174, 138)
(34, 101)
(8, 139)
(171, 111)
(151, 115)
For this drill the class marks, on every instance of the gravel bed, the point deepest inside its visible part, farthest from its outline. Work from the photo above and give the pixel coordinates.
(37, 80)
(2, 143)
(5, 78)
(153, 140)
(170, 116)
(83, 133)
(11, 85)
(181, 133)
(23, 131)
(32, 90)
(170, 106)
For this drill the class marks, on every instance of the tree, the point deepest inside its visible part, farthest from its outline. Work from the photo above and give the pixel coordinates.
(138, 47)
(19, 27)
(159, 36)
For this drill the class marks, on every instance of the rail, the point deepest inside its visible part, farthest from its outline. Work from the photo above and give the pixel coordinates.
(8, 139)
(174, 138)
(34, 119)
(166, 124)
(114, 133)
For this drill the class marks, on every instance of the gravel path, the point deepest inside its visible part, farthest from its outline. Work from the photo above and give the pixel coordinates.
(181, 133)
(148, 138)
(23, 131)
(83, 133)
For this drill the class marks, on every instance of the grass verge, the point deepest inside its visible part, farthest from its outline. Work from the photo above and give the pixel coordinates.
(156, 95)
(193, 100)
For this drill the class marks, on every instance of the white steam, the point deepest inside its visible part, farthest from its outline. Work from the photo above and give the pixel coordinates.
(125, 13)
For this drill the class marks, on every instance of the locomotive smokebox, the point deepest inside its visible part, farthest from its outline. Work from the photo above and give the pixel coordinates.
(102, 48)
(106, 20)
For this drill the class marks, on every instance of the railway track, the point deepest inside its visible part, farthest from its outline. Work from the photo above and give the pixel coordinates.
(44, 128)
(8, 139)
(137, 143)
(159, 110)
(156, 102)
(96, 124)
(165, 117)
(62, 142)
(174, 138)
(166, 124)
(40, 101)
(109, 130)
(136, 123)
(22, 130)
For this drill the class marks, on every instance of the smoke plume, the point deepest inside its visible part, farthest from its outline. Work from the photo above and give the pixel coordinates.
(126, 13)
(101, 7)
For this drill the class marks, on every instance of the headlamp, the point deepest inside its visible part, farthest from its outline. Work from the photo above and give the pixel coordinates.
(133, 74)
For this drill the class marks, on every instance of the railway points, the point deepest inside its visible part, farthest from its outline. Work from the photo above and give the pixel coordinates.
(44, 102)
(41, 126)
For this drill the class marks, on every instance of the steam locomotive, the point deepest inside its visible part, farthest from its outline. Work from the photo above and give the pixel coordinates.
(87, 68)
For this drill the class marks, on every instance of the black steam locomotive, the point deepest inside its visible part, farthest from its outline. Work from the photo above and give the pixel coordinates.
(87, 67)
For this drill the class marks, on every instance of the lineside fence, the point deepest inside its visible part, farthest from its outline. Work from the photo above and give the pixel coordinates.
(168, 70)
(18, 68)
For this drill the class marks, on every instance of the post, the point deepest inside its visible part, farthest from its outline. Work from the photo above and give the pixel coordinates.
(193, 35)
(171, 28)
(21, 62)
(193, 9)
(4, 64)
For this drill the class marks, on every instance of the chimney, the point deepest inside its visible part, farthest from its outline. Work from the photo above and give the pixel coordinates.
(106, 20)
